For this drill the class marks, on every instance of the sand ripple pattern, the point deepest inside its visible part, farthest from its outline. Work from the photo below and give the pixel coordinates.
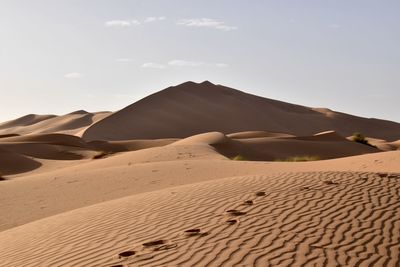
(287, 219)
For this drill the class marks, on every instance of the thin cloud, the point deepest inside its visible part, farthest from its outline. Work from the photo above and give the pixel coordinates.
(118, 23)
(153, 19)
(153, 65)
(206, 23)
(73, 75)
(129, 23)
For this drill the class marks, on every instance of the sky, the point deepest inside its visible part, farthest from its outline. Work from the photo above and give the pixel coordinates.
(60, 56)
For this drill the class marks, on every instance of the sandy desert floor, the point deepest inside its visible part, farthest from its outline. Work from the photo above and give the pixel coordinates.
(185, 203)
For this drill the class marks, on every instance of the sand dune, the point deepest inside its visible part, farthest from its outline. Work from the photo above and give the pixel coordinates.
(72, 123)
(325, 145)
(287, 219)
(146, 170)
(256, 134)
(12, 163)
(54, 139)
(128, 145)
(25, 121)
(190, 108)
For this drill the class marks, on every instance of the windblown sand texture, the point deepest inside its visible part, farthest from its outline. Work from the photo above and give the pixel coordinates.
(181, 186)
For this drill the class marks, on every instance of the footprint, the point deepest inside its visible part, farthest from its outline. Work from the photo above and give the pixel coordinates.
(382, 174)
(154, 243)
(232, 222)
(329, 182)
(195, 232)
(235, 212)
(118, 265)
(393, 176)
(126, 254)
(248, 202)
(192, 232)
(260, 194)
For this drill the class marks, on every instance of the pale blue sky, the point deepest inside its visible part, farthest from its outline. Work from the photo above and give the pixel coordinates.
(64, 55)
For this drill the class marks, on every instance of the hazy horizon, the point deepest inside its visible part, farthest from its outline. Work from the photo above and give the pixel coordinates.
(104, 55)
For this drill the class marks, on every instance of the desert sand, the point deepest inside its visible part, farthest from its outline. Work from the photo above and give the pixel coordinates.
(149, 186)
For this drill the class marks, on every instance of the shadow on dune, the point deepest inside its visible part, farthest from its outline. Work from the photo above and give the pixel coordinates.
(14, 163)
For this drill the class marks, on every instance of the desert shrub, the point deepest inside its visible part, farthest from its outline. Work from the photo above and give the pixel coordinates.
(238, 157)
(360, 138)
(301, 158)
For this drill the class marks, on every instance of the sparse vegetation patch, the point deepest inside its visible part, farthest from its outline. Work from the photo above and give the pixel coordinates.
(238, 157)
(301, 158)
(360, 138)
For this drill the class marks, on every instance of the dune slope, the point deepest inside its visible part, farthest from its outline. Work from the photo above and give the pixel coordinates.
(191, 108)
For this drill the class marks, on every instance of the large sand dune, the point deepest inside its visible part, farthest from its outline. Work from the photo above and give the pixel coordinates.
(191, 108)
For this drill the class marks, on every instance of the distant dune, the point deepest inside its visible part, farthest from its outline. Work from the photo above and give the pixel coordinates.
(72, 123)
(191, 108)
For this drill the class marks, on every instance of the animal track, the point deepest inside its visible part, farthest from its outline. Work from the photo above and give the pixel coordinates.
(260, 194)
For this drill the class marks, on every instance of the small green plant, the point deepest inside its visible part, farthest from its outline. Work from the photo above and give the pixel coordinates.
(238, 157)
(100, 155)
(360, 138)
(301, 158)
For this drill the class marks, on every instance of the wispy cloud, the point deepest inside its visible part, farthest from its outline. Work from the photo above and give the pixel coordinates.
(121, 23)
(73, 75)
(153, 19)
(153, 65)
(207, 23)
(123, 60)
